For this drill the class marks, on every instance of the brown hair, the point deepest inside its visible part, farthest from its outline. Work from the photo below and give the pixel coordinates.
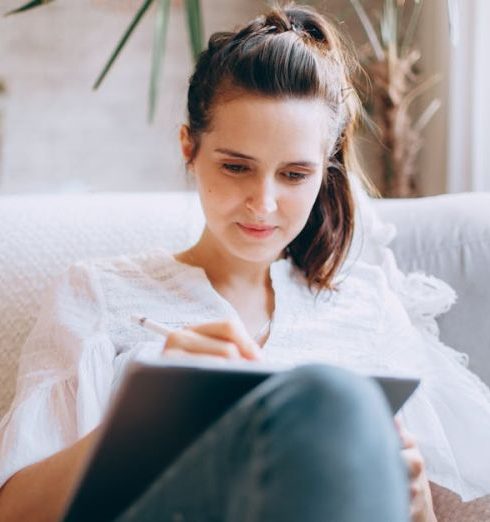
(288, 52)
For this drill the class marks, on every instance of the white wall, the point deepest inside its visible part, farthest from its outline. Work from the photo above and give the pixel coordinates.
(60, 135)
(433, 36)
(469, 130)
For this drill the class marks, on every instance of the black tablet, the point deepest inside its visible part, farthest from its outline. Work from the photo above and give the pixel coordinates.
(159, 410)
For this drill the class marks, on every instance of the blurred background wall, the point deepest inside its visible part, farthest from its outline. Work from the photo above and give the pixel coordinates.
(56, 134)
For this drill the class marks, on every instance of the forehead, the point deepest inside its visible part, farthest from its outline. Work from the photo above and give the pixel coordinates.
(270, 126)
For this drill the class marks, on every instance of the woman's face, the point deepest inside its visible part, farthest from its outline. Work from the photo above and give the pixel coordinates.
(258, 172)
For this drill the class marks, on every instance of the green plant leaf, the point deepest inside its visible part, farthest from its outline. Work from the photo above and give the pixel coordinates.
(122, 42)
(161, 24)
(412, 25)
(195, 26)
(368, 27)
(414, 94)
(427, 115)
(389, 29)
(28, 6)
(389, 23)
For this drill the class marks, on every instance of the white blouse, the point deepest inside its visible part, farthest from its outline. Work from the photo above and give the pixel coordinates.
(83, 340)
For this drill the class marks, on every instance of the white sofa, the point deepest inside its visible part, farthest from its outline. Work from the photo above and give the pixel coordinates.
(40, 235)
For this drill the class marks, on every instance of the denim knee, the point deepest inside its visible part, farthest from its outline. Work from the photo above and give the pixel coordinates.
(319, 435)
(320, 387)
(313, 403)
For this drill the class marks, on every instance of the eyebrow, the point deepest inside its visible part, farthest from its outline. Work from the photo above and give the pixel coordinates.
(230, 152)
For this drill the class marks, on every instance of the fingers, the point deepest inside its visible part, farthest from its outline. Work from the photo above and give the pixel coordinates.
(179, 354)
(407, 439)
(227, 339)
(398, 423)
(414, 462)
(421, 506)
(193, 342)
(231, 332)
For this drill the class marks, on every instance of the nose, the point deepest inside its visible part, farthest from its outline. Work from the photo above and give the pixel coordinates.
(262, 200)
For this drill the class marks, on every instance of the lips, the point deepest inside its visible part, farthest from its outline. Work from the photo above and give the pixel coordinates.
(256, 231)
(259, 228)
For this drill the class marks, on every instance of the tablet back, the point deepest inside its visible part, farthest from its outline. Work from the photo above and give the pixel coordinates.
(157, 413)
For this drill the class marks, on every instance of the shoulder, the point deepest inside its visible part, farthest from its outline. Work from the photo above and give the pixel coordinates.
(157, 260)
(90, 278)
(360, 293)
(357, 286)
(360, 272)
(126, 261)
(353, 277)
(345, 318)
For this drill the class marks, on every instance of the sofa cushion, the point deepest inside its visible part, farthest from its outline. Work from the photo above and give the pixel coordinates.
(41, 235)
(449, 236)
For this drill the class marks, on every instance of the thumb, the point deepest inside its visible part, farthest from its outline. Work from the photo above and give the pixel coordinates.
(406, 438)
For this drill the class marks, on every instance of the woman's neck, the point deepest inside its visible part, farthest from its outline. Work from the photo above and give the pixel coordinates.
(246, 286)
(223, 269)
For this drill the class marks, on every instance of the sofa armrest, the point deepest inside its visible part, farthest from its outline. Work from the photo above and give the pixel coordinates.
(448, 236)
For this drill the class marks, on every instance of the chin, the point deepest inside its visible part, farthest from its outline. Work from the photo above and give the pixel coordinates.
(256, 253)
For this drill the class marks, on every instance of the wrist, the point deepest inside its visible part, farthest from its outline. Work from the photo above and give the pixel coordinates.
(429, 515)
(432, 516)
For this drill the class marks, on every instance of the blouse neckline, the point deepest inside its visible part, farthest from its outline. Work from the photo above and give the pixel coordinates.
(277, 268)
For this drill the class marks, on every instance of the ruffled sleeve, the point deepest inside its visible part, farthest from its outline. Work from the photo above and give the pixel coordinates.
(424, 297)
(65, 374)
(449, 414)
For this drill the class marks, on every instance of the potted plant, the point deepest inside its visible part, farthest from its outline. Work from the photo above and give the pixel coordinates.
(390, 59)
(193, 14)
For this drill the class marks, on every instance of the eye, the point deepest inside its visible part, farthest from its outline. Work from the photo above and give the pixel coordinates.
(295, 177)
(235, 169)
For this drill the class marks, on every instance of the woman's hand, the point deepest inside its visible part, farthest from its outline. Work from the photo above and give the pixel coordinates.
(227, 339)
(421, 508)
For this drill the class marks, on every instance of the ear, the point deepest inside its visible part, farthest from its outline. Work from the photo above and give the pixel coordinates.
(186, 143)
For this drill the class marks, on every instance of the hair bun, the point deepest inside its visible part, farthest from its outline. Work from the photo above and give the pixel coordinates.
(301, 20)
(278, 20)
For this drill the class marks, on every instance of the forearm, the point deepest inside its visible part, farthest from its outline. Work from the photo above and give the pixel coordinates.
(431, 516)
(424, 512)
(40, 491)
(426, 517)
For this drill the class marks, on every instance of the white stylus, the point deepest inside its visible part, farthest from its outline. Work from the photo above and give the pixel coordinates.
(149, 324)
(159, 328)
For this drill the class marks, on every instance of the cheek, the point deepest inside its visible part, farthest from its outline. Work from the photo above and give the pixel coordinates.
(300, 203)
(217, 198)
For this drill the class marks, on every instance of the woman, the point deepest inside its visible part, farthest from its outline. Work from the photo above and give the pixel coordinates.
(272, 113)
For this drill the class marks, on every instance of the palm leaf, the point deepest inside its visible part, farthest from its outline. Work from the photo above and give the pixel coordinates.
(28, 6)
(195, 26)
(427, 115)
(195, 31)
(122, 42)
(389, 28)
(412, 25)
(368, 27)
(161, 24)
(412, 95)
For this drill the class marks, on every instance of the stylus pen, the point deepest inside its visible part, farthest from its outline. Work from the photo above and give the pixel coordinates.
(159, 328)
(151, 325)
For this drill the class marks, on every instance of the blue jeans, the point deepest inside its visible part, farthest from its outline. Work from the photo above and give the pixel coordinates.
(316, 443)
